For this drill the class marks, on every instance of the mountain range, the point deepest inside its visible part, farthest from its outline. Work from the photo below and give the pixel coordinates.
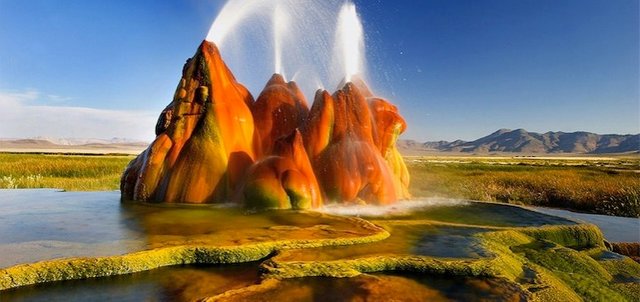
(522, 141)
(72, 145)
(502, 141)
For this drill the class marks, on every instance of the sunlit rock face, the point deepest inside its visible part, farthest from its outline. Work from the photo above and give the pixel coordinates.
(204, 142)
(215, 144)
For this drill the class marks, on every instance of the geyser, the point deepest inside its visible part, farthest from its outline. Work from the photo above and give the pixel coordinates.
(216, 144)
(292, 37)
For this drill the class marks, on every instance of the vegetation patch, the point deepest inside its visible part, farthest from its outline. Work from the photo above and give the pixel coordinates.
(606, 187)
(67, 172)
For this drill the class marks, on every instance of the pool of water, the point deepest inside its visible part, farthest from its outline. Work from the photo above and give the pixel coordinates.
(46, 224)
(240, 282)
(178, 283)
(387, 287)
(39, 225)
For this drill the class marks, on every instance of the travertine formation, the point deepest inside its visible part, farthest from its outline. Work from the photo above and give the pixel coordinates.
(216, 144)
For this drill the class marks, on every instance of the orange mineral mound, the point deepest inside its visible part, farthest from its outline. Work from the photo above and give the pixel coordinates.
(278, 111)
(350, 138)
(204, 140)
(215, 144)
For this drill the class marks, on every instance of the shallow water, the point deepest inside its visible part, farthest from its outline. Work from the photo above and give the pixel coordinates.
(46, 224)
(178, 283)
(614, 228)
(412, 239)
(189, 283)
(387, 287)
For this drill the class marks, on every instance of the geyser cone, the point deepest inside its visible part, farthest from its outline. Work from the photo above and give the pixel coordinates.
(208, 148)
(204, 139)
(278, 111)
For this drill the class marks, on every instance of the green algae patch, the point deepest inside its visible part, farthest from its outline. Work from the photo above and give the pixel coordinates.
(581, 236)
(561, 260)
(354, 267)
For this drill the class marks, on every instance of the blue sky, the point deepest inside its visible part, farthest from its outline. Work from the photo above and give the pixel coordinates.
(455, 69)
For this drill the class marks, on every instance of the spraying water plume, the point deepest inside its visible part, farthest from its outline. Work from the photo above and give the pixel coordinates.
(350, 41)
(304, 41)
(280, 22)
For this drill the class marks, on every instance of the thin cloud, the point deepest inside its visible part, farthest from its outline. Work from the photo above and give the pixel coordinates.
(24, 115)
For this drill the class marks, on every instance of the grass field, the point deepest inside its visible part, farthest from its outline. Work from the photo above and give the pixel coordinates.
(598, 185)
(68, 172)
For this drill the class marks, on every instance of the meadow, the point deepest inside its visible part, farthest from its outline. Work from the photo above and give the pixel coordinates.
(596, 185)
(608, 186)
(67, 172)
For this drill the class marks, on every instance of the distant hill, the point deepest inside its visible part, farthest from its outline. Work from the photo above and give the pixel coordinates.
(72, 145)
(522, 141)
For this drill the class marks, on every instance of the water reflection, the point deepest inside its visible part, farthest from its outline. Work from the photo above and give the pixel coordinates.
(45, 224)
(180, 283)
(238, 283)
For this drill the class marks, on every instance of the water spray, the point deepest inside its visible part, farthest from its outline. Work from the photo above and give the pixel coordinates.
(350, 40)
(280, 20)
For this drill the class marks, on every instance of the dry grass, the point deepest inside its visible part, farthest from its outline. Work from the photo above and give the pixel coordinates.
(609, 187)
(68, 172)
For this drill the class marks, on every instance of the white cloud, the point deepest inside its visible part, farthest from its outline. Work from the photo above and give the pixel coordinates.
(22, 114)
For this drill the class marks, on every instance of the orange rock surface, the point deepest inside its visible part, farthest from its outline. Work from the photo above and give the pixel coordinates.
(215, 144)
(350, 138)
(278, 111)
(284, 180)
(204, 140)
